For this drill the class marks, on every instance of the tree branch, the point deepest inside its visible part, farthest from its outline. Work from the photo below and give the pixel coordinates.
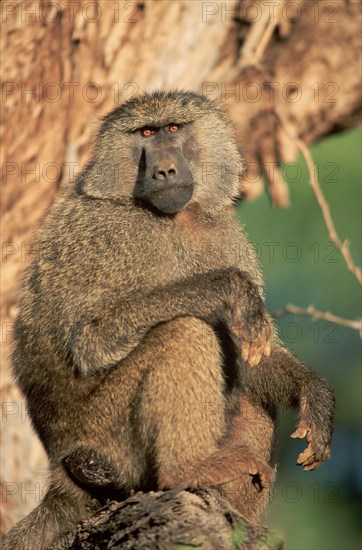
(313, 312)
(172, 519)
(260, 34)
(343, 247)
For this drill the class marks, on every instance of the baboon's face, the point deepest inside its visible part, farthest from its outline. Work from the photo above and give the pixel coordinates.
(166, 149)
(165, 180)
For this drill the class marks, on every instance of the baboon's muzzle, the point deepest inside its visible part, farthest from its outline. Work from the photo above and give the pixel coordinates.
(165, 179)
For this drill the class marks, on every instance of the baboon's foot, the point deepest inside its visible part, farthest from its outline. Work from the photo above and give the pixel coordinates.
(92, 468)
(221, 467)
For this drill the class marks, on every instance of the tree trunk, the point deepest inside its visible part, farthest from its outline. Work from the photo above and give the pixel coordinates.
(286, 73)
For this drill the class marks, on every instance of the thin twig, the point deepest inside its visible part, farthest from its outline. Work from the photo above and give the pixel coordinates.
(260, 34)
(326, 315)
(265, 39)
(314, 182)
(343, 247)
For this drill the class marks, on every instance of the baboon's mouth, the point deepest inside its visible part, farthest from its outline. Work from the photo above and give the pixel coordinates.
(171, 198)
(172, 188)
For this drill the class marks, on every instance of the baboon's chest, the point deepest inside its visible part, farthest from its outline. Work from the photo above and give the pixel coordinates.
(205, 245)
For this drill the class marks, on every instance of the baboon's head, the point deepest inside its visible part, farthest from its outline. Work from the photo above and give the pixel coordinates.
(166, 149)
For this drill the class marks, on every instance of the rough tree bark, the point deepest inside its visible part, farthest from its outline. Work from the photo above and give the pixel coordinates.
(169, 520)
(285, 69)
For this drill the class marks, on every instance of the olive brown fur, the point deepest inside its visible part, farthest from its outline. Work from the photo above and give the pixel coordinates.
(142, 345)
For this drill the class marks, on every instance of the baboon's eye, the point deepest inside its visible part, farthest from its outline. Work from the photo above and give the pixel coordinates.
(147, 132)
(174, 128)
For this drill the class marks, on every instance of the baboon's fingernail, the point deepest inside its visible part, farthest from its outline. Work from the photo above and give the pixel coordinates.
(253, 360)
(306, 457)
(299, 433)
(311, 467)
(245, 351)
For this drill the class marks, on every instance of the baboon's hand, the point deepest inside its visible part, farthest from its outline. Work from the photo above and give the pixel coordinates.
(250, 321)
(318, 449)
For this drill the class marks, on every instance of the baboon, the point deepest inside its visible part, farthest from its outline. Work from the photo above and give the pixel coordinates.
(142, 344)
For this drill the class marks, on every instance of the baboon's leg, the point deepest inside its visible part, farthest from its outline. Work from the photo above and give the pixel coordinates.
(101, 456)
(183, 385)
(109, 452)
(162, 427)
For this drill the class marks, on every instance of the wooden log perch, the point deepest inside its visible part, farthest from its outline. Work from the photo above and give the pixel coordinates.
(174, 519)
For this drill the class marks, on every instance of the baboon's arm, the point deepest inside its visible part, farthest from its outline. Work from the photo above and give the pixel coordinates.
(282, 380)
(103, 340)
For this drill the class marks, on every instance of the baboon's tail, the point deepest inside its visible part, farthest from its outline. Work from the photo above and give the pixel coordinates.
(61, 509)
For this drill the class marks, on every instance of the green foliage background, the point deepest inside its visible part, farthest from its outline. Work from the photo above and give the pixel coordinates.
(317, 510)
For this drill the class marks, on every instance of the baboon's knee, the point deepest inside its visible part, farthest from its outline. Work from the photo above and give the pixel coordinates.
(186, 364)
(190, 339)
